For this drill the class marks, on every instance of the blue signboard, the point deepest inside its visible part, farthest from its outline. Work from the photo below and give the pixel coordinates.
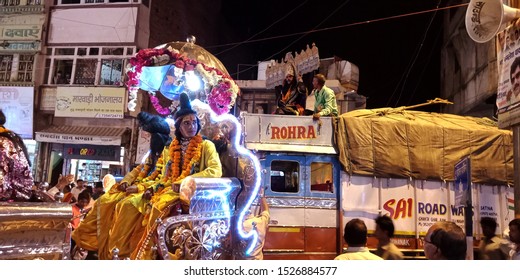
(462, 182)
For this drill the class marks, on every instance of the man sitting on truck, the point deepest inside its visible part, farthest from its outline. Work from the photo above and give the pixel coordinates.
(325, 104)
(292, 94)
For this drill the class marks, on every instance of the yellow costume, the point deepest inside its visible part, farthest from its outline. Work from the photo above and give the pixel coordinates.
(126, 224)
(200, 160)
(93, 232)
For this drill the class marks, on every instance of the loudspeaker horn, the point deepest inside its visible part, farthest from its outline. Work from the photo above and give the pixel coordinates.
(485, 18)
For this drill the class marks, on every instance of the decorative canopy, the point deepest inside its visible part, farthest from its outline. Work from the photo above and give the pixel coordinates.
(177, 67)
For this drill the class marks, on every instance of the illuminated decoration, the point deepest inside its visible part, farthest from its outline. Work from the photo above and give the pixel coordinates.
(203, 233)
(170, 72)
(197, 232)
(193, 81)
(252, 236)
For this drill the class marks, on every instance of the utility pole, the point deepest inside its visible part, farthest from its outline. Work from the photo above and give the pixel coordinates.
(516, 167)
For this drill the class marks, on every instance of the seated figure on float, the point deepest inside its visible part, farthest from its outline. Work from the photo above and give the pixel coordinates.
(189, 155)
(93, 232)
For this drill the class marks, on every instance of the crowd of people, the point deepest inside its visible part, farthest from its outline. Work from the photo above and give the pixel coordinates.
(445, 240)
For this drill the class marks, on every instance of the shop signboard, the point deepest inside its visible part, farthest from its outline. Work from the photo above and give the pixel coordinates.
(92, 152)
(90, 102)
(21, 32)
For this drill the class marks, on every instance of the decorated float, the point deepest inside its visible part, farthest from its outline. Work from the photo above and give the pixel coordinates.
(211, 228)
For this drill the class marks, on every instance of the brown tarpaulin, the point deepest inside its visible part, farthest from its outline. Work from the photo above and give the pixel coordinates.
(392, 142)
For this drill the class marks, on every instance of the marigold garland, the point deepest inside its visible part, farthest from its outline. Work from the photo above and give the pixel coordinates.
(143, 169)
(157, 170)
(191, 157)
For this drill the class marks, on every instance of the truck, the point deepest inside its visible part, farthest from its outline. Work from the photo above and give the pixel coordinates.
(364, 163)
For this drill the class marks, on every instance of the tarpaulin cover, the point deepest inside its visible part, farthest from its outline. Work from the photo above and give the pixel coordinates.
(390, 142)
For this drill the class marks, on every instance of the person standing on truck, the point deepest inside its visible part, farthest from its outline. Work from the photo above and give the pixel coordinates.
(325, 104)
(355, 235)
(445, 241)
(291, 94)
(384, 231)
(16, 181)
(491, 246)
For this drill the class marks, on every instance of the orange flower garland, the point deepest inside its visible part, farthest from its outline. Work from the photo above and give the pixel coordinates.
(144, 170)
(192, 156)
(155, 173)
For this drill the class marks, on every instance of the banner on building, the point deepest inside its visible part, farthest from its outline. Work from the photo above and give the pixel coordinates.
(508, 60)
(90, 102)
(17, 105)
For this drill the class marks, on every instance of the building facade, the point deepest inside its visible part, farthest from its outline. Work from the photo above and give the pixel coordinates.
(62, 76)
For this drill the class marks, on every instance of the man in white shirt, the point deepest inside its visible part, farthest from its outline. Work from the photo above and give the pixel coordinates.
(80, 186)
(355, 235)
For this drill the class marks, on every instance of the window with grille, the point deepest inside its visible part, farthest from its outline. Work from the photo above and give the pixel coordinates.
(25, 67)
(9, 2)
(87, 65)
(85, 71)
(63, 71)
(66, 2)
(111, 72)
(6, 64)
(34, 2)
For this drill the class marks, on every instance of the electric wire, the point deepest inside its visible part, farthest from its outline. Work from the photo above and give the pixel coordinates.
(416, 55)
(265, 29)
(339, 26)
(299, 38)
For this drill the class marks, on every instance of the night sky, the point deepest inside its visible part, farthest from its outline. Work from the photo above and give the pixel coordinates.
(383, 50)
